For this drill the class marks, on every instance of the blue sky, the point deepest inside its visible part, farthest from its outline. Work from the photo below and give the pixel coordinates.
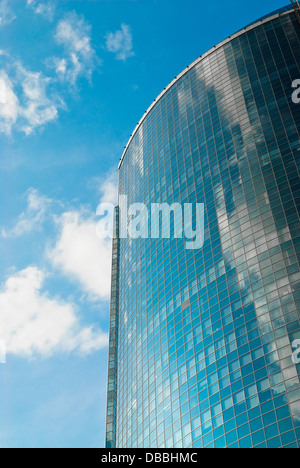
(75, 78)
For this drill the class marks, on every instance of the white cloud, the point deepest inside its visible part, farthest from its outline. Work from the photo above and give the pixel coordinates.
(33, 217)
(77, 251)
(81, 255)
(109, 189)
(32, 324)
(46, 9)
(28, 99)
(74, 34)
(38, 109)
(6, 14)
(120, 43)
(30, 107)
(9, 107)
(61, 66)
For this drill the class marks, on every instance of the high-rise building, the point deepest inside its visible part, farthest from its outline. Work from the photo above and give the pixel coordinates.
(202, 341)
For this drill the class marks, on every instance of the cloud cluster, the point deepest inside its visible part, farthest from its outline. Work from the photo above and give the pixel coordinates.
(108, 188)
(9, 107)
(81, 255)
(33, 217)
(31, 106)
(26, 102)
(32, 323)
(37, 108)
(6, 14)
(45, 9)
(120, 43)
(74, 34)
(27, 98)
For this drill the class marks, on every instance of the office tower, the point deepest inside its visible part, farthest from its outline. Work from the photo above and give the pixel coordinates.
(202, 339)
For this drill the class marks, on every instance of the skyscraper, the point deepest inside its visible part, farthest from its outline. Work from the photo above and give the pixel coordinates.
(201, 346)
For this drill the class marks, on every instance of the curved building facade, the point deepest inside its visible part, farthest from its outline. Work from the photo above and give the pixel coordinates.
(202, 340)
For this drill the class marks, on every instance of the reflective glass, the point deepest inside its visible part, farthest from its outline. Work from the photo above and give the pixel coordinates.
(201, 339)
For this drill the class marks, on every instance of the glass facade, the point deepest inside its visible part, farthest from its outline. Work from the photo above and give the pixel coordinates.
(201, 341)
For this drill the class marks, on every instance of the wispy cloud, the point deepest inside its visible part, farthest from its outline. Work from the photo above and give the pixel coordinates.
(33, 217)
(46, 9)
(120, 43)
(80, 59)
(25, 101)
(81, 255)
(108, 188)
(78, 252)
(32, 323)
(9, 108)
(6, 14)
(38, 108)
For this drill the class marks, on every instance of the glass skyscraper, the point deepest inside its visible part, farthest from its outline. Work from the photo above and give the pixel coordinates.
(201, 340)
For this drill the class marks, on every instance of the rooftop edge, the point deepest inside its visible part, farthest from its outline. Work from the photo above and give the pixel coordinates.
(196, 62)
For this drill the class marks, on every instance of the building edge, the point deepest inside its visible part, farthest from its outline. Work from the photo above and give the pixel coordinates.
(279, 13)
(111, 412)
